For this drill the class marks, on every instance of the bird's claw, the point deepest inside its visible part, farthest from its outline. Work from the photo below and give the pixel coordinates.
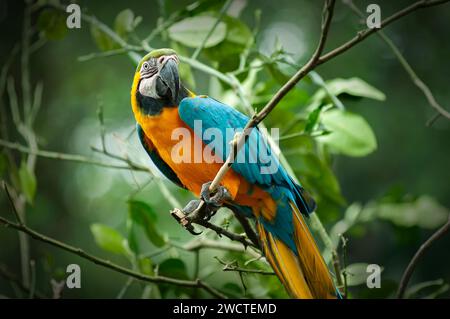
(183, 219)
(215, 198)
(201, 209)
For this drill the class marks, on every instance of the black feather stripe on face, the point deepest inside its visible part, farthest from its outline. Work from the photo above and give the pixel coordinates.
(149, 105)
(154, 106)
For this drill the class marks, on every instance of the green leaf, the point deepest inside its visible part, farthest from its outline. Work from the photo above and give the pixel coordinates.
(109, 239)
(238, 32)
(312, 119)
(357, 274)
(353, 86)
(133, 242)
(227, 52)
(173, 267)
(146, 266)
(319, 177)
(192, 31)
(142, 214)
(350, 133)
(28, 182)
(125, 22)
(52, 23)
(424, 212)
(103, 41)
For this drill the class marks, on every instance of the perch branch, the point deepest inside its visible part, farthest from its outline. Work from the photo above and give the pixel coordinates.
(420, 252)
(240, 139)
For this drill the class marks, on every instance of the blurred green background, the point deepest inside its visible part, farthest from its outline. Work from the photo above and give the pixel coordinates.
(409, 165)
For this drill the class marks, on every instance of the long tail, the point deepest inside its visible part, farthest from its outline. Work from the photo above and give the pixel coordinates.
(305, 275)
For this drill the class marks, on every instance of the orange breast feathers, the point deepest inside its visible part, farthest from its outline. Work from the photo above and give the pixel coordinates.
(159, 129)
(178, 151)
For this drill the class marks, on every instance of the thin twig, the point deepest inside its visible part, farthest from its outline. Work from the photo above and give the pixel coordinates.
(441, 111)
(5, 273)
(337, 270)
(32, 279)
(108, 264)
(367, 32)
(221, 231)
(11, 200)
(420, 252)
(344, 258)
(240, 140)
(210, 32)
(70, 157)
(228, 79)
(251, 234)
(233, 266)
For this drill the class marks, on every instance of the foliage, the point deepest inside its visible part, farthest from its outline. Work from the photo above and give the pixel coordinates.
(318, 126)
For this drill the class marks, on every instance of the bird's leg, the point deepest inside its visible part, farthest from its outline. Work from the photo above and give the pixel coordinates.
(201, 209)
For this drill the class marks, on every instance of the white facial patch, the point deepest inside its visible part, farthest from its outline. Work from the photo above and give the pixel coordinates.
(147, 87)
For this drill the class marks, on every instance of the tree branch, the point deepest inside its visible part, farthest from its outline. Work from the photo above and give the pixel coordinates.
(108, 264)
(441, 111)
(72, 157)
(240, 139)
(203, 243)
(233, 266)
(367, 32)
(420, 252)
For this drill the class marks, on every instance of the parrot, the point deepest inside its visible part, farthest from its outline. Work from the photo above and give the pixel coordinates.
(275, 204)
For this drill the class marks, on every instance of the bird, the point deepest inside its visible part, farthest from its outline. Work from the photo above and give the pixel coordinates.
(277, 206)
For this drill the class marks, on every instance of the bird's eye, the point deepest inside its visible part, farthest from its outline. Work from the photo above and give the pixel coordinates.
(145, 66)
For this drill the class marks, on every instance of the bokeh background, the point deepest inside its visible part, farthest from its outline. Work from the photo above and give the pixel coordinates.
(406, 175)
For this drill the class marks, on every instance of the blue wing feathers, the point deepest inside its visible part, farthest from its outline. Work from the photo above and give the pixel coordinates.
(215, 114)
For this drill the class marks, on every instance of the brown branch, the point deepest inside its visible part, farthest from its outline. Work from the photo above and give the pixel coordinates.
(11, 200)
(240, 139)
(441, 111)
(204, 243)
(420, 252)
(251, 234)
(315, 60)
(108, 264)
(221, 231)
(234, 266)
(73, 157)
(365, 33)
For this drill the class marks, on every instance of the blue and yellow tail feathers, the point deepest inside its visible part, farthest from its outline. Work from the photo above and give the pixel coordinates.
(303, 272)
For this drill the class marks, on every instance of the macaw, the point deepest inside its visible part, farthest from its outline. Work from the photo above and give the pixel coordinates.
(277, 205)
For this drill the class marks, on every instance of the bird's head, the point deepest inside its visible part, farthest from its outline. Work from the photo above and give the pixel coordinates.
(157, 77)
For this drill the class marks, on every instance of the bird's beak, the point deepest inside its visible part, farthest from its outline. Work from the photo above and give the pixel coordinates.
(169, 76)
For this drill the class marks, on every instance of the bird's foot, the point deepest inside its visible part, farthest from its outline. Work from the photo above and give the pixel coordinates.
(201, 209)
(215, 198)
(193, 211)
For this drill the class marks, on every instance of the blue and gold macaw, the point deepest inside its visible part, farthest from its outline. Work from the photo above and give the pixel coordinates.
(278, 206)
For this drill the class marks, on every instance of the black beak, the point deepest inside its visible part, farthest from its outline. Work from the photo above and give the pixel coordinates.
(170, 79)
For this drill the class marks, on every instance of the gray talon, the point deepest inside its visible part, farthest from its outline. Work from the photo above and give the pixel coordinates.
(219, 196)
